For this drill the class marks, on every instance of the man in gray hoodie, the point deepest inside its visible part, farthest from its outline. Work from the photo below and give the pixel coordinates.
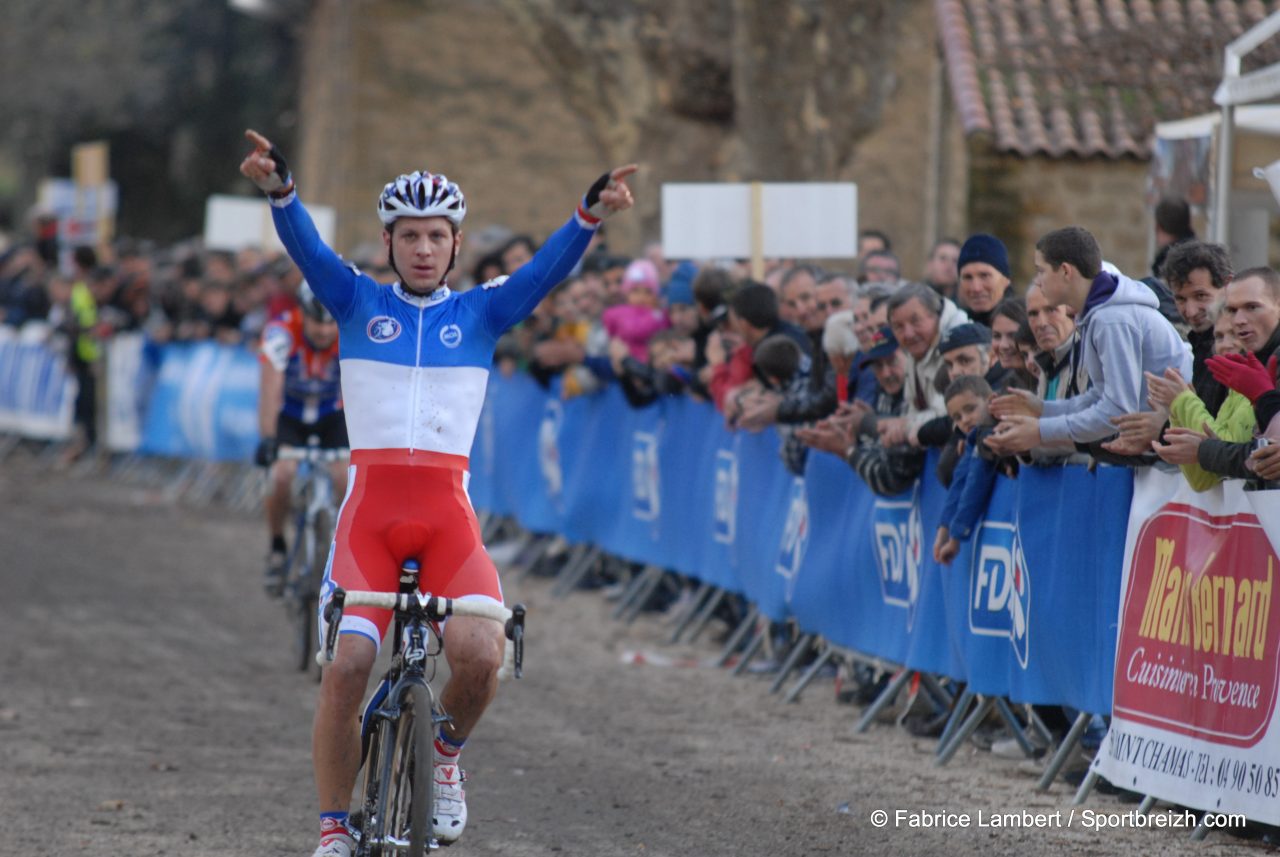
(1122, 334)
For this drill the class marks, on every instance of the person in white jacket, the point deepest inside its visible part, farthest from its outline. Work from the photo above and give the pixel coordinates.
(1122, 334)
(919, 318)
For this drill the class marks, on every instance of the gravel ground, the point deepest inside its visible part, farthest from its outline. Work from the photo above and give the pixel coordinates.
(147, 707)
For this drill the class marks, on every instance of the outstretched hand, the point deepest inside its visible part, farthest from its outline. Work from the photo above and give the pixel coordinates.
(265, 166)
(610, 193)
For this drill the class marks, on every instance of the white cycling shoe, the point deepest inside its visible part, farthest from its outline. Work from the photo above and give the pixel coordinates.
(335, 845)
(450, 803)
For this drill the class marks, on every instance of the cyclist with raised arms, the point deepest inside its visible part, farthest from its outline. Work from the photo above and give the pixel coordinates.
(299, 397)
(415, 359)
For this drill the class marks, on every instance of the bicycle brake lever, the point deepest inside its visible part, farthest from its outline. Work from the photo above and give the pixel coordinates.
(332, 618)
(515, 633)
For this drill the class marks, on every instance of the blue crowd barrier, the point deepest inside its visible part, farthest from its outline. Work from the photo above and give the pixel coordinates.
(37, 393)
(204, 403)
(1027, 610)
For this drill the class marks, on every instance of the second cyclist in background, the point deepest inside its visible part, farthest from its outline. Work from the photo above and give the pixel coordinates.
(300, 397)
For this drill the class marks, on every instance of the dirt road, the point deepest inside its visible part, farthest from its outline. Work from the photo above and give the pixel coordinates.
(147, 707)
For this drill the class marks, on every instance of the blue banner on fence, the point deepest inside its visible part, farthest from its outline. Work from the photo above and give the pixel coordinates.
(1026, 610)
(204, 404)
(36, 392)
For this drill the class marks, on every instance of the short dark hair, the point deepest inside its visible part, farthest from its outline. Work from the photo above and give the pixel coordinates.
(1173, 216)
(879, 254)
(516, 241)
(711, 286)
(943, 242)
(876, 233)
(1189, 256)
(85, 257)
(756, 304)
(796, 270)
(1013, 308)
(1267, 275)
(975, 384)
(929, 299)
(777, 356)
(1075, 246)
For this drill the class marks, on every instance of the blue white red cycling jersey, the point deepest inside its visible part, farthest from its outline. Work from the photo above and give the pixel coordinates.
(414, 372)
(415, 369)
(312, 379)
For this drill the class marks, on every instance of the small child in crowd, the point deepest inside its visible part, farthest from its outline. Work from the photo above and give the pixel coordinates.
(639, 318)
(975, 474)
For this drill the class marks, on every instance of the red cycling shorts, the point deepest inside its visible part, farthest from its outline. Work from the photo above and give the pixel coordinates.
(398, 507)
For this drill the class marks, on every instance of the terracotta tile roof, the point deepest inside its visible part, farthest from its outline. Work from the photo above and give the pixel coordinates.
(1088, 77)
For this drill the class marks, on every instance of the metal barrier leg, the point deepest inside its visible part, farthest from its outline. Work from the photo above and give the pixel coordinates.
(966, 729)
(1201, 831)
(708, 610)
(690, 611)
(802, 647)
(1065, 749)
(958, 713)
(753, 648)
(652, 580)
(1146, 806)
(739, 634)
(1086, 785)
(581, 558)
(883, 700)
(634, 585)
(824, 658)
(1011, 720)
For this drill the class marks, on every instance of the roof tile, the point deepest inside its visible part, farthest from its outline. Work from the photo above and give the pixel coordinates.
(1088, 77)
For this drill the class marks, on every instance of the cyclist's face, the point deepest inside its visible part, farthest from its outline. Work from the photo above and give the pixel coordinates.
(321, 334)
(422, 248)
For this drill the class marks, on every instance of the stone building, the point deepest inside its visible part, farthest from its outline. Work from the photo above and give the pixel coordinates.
(1009, 116)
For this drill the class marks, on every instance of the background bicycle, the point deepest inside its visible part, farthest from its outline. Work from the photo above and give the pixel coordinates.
(314, 515)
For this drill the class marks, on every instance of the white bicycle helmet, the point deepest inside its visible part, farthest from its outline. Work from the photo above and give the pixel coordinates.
(421, 194)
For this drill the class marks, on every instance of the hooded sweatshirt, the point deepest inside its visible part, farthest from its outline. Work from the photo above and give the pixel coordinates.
(1122, 334)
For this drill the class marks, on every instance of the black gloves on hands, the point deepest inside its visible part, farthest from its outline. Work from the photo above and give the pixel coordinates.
(265, 454)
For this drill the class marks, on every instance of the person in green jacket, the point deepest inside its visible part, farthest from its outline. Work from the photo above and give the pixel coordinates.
(84, 353)
(1234, 421)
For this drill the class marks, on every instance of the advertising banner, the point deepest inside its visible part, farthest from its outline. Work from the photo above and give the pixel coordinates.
(204, 404)
(37, 394)
(1198, 650)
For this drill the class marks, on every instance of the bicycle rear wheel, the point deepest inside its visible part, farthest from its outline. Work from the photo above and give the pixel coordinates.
(405, 800)
(306, 590)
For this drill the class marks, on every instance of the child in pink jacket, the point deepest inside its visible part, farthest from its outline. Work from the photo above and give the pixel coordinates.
(636, 321)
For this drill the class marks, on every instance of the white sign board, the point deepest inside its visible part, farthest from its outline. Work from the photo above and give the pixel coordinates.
(797, 220)
(234, 222)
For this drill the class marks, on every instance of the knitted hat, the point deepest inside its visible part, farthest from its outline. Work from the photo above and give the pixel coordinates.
(640, 274)
(680, 286)
(984, 248)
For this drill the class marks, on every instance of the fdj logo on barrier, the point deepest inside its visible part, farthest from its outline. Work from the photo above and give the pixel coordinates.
(644, 476)
(899, 541)
(795, 535)
(999, 588)
(549, 448)
(726, 497)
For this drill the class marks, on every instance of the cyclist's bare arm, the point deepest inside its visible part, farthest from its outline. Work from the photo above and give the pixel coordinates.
(270, 399)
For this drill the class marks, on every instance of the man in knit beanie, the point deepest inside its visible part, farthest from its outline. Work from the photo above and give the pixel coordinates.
(984, 276)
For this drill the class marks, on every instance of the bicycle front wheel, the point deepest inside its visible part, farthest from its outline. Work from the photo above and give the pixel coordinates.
(406, 797)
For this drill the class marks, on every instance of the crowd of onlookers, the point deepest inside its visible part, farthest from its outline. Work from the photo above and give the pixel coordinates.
(1083, 364)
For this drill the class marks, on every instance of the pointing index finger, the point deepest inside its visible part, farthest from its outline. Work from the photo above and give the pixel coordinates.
(258, 140)
(622, 172)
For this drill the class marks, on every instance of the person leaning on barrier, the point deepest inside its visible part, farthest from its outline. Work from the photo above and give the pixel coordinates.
(919, 319)
(1055, 335)
(416, 358)
(1253, 305)
(1121, 334)
(1197, 274)
(852, 433)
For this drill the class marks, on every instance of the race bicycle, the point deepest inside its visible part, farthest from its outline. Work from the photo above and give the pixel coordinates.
(315, 513)
(401, 717)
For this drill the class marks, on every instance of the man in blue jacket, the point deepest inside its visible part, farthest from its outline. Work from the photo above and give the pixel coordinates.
(1122, 334)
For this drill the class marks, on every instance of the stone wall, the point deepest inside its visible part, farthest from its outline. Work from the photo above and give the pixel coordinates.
(1020, 199)
(390, 86)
